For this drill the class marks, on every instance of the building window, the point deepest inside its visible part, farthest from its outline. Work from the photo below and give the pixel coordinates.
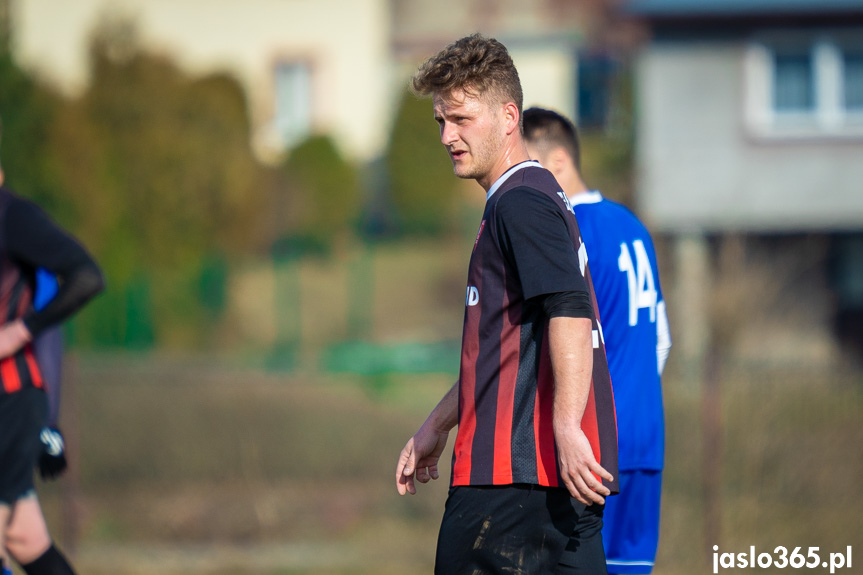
(804, 86)
(852, 64)
(293, 102)
(793, 82)
(596, 77)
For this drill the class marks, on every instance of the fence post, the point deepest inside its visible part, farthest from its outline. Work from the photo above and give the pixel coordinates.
(70, 485)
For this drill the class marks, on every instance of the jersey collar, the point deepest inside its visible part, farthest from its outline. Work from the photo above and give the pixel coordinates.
(499, 182)
(591, 197)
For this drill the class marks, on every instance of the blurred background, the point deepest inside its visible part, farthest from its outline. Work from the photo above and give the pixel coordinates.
(285, 248)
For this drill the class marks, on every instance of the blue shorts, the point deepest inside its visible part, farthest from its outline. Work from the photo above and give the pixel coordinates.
(630, 533)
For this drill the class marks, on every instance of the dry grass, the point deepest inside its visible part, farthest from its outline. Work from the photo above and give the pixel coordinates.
(198, 469)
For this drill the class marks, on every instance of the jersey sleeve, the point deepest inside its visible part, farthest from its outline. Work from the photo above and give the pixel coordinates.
(35, 240)
(535, 239)
(663, 336)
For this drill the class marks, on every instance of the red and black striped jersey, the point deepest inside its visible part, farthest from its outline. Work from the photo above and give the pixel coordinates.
(528, 245)
(16, 300)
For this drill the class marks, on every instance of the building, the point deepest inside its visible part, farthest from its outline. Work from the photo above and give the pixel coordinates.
(750, 122)
(306, 65)
(331, 66)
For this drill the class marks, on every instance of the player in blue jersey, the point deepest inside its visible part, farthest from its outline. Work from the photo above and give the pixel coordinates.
(635, 325)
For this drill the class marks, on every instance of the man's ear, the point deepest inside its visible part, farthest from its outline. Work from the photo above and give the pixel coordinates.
(511, 117)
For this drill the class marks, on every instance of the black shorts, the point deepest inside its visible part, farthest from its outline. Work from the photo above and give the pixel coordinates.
(518, 529)
(23, 414)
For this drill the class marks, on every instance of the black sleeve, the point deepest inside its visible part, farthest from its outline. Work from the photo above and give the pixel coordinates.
(535, 238)
(567, 304)
(33, 239)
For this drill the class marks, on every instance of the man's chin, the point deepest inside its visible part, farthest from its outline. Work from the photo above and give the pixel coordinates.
(463, 173)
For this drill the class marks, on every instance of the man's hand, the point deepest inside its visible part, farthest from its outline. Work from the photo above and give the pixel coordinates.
(578, 465)
(419, 458)
(52, 461)
(13, 336)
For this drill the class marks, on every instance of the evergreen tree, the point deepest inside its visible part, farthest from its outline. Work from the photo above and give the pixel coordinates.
(422, 185)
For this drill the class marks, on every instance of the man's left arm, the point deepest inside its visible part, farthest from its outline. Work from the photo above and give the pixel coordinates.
(571, 348)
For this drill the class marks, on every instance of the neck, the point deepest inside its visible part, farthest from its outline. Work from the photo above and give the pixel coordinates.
(513, 153)
(571, 183)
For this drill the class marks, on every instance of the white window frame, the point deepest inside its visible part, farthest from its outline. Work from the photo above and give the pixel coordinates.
(828, 117)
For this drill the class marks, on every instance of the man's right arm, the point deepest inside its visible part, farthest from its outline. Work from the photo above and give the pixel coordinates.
(420, 455)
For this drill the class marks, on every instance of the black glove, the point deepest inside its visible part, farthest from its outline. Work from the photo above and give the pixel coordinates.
(52, 462)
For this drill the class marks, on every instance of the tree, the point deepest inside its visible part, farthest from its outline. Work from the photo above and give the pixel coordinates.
(325, 194)
(164, 182)
(422, 186)
(27, 111)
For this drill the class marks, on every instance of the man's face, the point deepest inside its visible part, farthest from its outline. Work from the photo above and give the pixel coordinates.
(471, 129)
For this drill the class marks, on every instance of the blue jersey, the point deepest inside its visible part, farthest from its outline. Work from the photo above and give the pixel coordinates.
(46, 288)
(622, 261)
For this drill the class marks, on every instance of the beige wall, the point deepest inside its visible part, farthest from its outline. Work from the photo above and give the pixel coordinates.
(346, 43)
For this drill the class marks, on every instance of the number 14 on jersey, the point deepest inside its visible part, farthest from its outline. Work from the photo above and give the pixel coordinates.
(639, 277)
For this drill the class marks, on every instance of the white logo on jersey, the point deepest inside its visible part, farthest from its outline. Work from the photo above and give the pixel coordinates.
(565, 200)
(472, 297)
(582, 256)
(598, 336)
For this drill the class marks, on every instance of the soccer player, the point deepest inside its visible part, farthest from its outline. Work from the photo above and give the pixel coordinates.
(637, 340)
(29, 240)
(536, 450)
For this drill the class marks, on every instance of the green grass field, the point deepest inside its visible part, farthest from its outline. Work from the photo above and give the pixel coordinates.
(193, 467)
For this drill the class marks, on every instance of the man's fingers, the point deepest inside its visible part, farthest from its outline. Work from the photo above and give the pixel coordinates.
(589, 494)
(422, 475)
(573, 490)
(601, 471)
(405, 470)
(427, 470)
(595, 485)
(584, 487)
(406, 485)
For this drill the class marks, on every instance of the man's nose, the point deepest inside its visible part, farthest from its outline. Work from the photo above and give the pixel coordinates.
(448, 134)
